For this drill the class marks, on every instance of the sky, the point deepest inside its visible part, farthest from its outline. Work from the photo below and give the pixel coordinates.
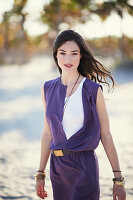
(92, 29)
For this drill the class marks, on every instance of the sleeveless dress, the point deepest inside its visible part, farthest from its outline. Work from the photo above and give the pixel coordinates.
(73, 176)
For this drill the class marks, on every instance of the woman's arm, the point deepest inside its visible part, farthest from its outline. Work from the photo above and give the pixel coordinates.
(106, 137)
(108, 144)
(45, 152)
(45, 139)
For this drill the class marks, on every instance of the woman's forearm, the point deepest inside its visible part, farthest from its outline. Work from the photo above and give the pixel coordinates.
(45, 150)
(111, 153)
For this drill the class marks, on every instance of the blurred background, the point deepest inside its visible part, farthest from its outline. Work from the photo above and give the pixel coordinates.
(27, 31)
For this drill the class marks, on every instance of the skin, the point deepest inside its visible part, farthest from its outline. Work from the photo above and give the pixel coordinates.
(69, 53)
(108, 144)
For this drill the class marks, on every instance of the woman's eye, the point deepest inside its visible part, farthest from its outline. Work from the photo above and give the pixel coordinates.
(62, 53)
(74, 54)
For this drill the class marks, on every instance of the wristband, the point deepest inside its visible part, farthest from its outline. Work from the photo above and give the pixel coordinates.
(118, 179)
(40, 171)
(116, 170)
(40, 176)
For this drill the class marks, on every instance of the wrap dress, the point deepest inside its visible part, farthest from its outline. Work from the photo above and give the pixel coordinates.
(73, 176)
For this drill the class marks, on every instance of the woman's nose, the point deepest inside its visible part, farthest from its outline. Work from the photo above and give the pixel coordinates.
(67, 57)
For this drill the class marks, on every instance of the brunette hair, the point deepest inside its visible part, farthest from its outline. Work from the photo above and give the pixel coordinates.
(88, 67)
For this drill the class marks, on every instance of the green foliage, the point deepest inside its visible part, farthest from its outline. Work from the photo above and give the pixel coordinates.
(55, 13)
(18, 6)
(72, 11)
(104, 9)
(38, 40)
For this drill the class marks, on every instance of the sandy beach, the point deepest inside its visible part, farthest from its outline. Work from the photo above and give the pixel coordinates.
(21, 125)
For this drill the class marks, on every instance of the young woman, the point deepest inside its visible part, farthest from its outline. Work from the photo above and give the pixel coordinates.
(75, 120)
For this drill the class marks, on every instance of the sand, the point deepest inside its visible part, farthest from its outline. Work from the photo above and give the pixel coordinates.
(21, 125)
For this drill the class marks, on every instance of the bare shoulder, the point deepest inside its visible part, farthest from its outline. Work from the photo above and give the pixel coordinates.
(100, 98)
(46, 124)
(101, 106)
(102, 113)
(43, 96)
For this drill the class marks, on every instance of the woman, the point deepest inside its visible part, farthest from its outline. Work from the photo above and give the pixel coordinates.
(75, 120)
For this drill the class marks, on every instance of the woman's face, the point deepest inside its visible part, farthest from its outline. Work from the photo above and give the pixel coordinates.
(68, 56)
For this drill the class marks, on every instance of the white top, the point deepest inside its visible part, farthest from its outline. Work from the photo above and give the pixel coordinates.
(74, 115)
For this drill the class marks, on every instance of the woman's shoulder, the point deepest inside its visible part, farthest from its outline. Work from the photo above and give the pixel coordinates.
(48, 86)
(51, 81)
(91, 88)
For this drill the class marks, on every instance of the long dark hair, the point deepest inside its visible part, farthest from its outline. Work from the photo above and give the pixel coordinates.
(88, 67)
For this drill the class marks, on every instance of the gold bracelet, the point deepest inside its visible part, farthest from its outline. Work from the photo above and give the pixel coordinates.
(122, 183)
(119, 181)
(40, 176)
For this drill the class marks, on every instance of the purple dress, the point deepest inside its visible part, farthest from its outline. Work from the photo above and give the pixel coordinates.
(73, 176)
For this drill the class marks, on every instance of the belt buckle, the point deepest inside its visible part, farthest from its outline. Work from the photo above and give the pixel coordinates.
(58, 153)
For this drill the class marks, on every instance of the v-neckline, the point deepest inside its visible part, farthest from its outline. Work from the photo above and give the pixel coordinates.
(76, 89)
(67, 86)
(83, 111)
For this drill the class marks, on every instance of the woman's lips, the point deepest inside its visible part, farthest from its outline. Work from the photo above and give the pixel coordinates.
(68, 65)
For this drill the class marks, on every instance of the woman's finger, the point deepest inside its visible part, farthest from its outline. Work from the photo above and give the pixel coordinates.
(45, 194)
(42, 190)
(114, 196)
(39, 193)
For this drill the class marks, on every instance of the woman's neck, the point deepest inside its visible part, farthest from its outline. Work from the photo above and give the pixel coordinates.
(69, 79)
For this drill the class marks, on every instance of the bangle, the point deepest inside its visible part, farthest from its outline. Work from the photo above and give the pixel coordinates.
(40, 171)
(116, 171)
(118, 179)
(122, 183)
(40, 176)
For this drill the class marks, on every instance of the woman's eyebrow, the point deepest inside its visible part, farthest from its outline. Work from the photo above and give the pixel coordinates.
(71, 51)
(62, 50)
(75, 51)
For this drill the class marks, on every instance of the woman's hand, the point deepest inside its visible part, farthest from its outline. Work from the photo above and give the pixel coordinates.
(119, 192)
(40, 189)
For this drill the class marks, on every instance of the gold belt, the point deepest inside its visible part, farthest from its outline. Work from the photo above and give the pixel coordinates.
(61, 152)
(58, 152)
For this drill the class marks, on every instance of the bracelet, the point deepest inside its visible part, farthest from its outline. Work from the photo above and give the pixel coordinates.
(122, 183)
(118, 179)
(116, 171)
(40, 176)
(40, 171)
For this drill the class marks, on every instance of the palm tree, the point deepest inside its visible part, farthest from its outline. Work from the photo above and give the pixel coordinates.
(18, 11)
(58, 12)
(5, 22)
(105, 8)
(71, 12)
